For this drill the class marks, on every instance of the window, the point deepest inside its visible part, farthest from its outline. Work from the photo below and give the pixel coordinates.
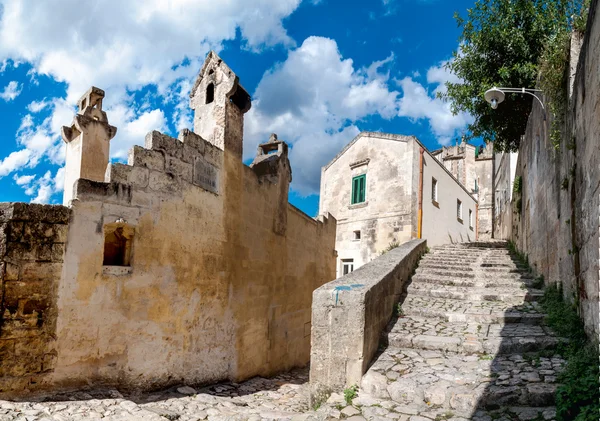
(459, 209)
(359, 187)
(347, 266)
(210, 93)
(118, 238)
(434, 188)
(357, 235)
(476, 189)
(470, 219)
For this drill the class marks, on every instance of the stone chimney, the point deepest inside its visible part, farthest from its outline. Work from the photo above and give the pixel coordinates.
(88, 142)
(219, 103)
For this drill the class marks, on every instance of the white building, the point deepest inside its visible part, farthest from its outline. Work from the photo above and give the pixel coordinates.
(386, 189)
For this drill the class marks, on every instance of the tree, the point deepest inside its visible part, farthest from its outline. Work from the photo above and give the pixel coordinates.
(501, 44)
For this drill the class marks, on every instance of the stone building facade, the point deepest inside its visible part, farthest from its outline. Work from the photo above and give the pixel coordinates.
(380, 188)
(505, 167)
(473, 166)
(182, 266)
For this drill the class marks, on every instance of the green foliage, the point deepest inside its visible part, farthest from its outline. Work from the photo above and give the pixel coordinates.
(394, 244)
(553, 65)
(521, 257)
(518, 185)
(565, 183)
(350, 393)
(578, 396)
(501, 44)
(399, 311)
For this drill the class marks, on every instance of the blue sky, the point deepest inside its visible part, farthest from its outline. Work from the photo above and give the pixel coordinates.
(319, 73)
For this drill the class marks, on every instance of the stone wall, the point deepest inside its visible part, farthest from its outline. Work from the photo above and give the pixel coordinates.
(349, 315)
(32, 243)
(557, 222)
(214, 290)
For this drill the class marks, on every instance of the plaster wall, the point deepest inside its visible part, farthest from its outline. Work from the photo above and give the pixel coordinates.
(440, 222)
(505, 167)
(387, 214)
(205, 299)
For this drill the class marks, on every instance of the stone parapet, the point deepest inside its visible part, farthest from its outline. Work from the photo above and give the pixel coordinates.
(349, 314)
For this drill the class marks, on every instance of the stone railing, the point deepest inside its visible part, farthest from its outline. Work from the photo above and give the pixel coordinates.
(349, 314)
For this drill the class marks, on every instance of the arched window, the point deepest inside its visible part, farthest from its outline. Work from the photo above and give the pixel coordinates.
(210, 93)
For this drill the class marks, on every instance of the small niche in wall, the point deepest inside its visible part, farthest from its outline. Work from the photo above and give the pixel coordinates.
(118, 241)
(357, 235)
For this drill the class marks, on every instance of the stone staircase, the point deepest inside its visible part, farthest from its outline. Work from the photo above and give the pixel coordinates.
(469, 343)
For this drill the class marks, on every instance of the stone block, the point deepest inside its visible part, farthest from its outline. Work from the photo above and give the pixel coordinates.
(35, 271)
(157, 141)
(126, 174)
(179, 168)
(146, 158)
(349, 314)
(53, 214)
(163, 182)
(11, 272)
(93, 190)
(193, 144)
(15, 230)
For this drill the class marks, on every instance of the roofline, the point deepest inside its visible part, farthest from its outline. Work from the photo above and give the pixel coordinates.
(397, 137)
(445, 169)
(381, 135)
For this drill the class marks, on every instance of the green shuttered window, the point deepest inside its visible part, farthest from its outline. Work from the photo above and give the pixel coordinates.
(359, 188)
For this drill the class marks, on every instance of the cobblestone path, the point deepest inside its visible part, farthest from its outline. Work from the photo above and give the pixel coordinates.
(469, 345)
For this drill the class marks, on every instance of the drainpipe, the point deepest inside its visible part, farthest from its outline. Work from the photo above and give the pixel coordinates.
(477, 220)
(420, 222)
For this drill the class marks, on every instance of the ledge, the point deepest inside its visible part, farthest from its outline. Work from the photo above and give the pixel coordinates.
(360, 163)
(116, 270)
(349, 314)
(358, 205)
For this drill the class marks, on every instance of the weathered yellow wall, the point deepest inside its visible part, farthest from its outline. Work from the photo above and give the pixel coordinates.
(212, 292)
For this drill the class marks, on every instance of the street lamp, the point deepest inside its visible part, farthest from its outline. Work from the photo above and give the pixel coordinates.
(496, 95)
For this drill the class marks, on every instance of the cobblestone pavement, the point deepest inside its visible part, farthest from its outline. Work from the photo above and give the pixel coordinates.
(281, 397)
(468, 345)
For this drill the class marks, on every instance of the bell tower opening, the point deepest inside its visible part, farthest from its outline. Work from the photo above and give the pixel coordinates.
(210, 93)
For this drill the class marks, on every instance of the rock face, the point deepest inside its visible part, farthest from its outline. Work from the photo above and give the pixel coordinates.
(469, 343)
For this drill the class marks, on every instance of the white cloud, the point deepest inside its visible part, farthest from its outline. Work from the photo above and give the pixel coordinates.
(37, 106)
(11, 91)
(121, 46)
(24, 179)
(132, 129)
(313, 101)
(127, 43)
(418, 103)
(43, 188)
(14, 161)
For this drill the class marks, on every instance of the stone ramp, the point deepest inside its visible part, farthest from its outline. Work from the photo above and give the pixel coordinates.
(469, 343)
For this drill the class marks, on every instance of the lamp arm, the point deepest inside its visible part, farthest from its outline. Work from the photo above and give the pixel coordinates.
(526, 91)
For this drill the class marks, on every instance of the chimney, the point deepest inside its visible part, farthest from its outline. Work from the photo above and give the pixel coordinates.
(88, 142)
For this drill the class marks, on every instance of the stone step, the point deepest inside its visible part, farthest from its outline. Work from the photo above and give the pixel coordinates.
(472, 256)
(447, 259)
(464, 273)
(500, 268)
(422, 379)
(479, 282)
(458, 311)
(508, 295)
(420, 332)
